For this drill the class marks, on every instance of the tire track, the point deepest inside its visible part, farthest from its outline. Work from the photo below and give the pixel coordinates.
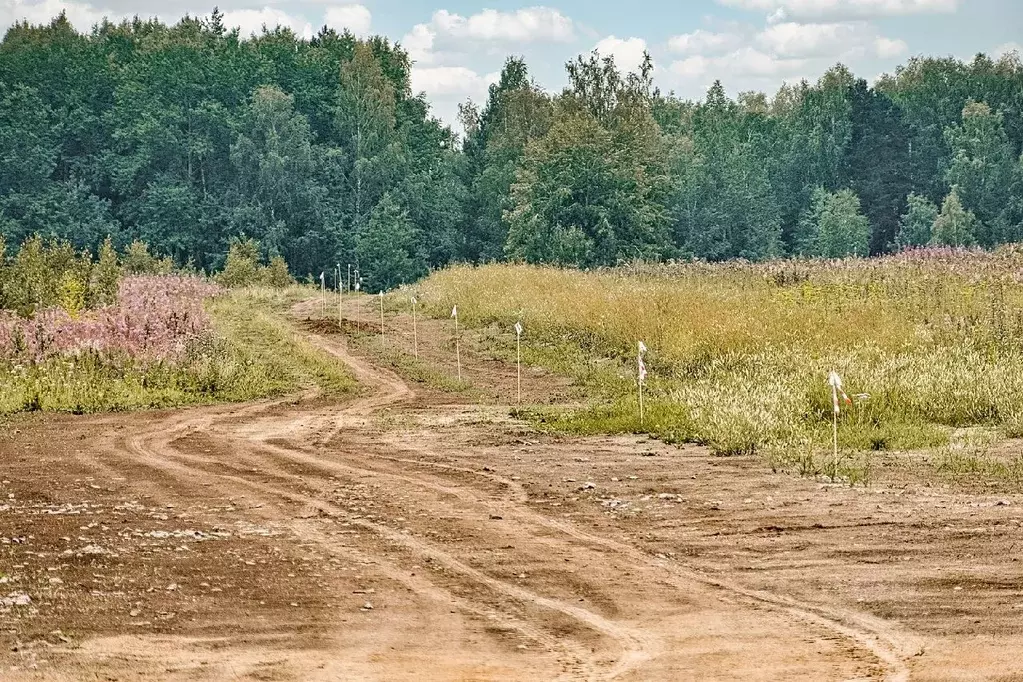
(160, 456)
(871, 634)
(265, 442)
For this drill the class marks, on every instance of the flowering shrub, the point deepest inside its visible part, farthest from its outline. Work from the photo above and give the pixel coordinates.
(153, 319)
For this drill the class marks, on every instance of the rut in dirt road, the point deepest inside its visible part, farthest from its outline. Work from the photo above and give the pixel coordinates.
(592, 606)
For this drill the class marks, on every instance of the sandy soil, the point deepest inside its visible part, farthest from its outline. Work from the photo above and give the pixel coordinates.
(411, 534)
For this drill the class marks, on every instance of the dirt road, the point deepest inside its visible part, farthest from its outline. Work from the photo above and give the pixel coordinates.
(413, 534)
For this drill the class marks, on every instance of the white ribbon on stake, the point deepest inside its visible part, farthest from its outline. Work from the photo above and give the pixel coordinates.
(835, 382)
(458, 350)
(415, 332)
(518, 360)
(323, 293)
(641, 369)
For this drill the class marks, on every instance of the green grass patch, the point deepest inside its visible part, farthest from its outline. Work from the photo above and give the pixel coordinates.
(966, 464)
(274, 355)
(408, 366)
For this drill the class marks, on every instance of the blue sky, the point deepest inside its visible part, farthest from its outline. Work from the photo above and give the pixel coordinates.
(459, 45)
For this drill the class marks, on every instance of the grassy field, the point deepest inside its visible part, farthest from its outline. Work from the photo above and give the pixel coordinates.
(251, 352)
(929, 344)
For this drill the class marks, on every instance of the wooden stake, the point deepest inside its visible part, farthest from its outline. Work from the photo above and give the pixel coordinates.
(415, 332)
(518, 361)
(641, 402)
(381, 319)
(458, 350)
(834, 423)
(518, 367)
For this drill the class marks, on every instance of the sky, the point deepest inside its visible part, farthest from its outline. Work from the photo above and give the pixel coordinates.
(459, 46)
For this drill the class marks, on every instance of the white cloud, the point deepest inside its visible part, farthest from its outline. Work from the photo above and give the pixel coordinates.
(251, 21)
(841, 40)
(529, 25)
(355, 18)
(419, 44)
(781, 9)
(749, 61)
(448, 37)
(691, 67)
(451, 81)
(744, 62)
(703, 42)
(790, 39)
(886, 48)
(627, 52)
(83, 16)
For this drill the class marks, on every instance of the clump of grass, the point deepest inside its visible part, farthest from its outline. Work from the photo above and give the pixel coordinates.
(976, 463)
(739, 352)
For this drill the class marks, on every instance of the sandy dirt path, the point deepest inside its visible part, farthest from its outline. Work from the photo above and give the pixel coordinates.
(413, 534)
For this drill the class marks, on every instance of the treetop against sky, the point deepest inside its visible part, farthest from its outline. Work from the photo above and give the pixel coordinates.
(458, 46)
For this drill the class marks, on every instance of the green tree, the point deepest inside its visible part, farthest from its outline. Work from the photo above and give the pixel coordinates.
(241, 269)
(579, 200)
(981, 168)
(516, 113)
(366, 119)
(876, 162)
(955, 225)
(834, 226)
(105, 275)
(388, 246)
(275, 164)
(917, 222)
(723, 204)
(28, 148)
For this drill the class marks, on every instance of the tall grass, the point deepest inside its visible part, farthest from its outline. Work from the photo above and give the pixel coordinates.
(240, 347)
(739, 352)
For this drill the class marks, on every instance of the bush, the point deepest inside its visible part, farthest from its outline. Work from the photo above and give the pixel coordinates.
(242, 268)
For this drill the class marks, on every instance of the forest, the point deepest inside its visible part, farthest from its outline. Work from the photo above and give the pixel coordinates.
(190, 138)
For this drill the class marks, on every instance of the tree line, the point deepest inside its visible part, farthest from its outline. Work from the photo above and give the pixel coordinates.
(192, 139)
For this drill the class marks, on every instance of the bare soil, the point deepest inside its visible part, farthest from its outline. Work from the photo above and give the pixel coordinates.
(413, 534)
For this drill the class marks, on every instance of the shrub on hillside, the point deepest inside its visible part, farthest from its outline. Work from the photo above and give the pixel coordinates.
(242, 268)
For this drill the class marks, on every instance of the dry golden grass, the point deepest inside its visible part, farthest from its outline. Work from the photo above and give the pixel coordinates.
(739, 353)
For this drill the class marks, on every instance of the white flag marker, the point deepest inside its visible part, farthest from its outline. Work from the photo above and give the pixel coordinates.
(415, 332)
(641, 368)
(518, 360)
(835, 382)
(323, 293)
(458, 349)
